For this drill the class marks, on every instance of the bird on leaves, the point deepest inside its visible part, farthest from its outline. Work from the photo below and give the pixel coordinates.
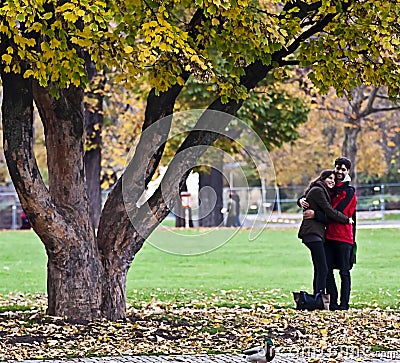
(261, 354)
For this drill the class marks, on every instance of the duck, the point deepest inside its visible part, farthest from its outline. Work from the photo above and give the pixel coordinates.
(261, 354)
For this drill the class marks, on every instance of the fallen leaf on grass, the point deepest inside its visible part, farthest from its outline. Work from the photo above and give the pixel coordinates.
(194, 328)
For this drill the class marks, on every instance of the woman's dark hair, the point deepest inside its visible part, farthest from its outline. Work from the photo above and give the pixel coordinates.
(324, 174)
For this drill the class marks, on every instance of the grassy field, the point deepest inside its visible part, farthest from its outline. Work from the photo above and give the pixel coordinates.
(239, 272)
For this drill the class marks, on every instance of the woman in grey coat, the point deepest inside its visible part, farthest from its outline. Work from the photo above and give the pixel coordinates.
(312, 232)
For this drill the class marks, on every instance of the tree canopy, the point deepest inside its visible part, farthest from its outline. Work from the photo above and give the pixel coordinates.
(346, 43)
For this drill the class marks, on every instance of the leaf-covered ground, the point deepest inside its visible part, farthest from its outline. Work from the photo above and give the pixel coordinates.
(196, 327)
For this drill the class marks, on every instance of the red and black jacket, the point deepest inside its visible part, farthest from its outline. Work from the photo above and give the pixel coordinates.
(344, 200)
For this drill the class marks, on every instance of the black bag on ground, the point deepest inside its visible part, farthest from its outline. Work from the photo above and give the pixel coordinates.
(306, 301)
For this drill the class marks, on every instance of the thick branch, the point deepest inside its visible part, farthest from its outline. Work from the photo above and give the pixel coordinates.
(63, 127)
(371, 99)
(384, 109)
(145, 161)
(17, 115)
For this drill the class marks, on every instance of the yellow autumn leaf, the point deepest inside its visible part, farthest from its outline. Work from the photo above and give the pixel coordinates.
(180, 81)
(54, 43)
(81, 42)
(195, 58)
(31, 42)
(163, 47)
(3, 28)
(47, 16)
(6, 58)
(128, 49)
(28, 73)
(66, 6)
(153, 24)
(70, 16)
(16, 68)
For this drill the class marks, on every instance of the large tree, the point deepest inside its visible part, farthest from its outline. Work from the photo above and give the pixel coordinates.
(232, 44)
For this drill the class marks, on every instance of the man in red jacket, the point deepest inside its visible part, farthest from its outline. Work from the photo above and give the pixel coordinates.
(339, 238)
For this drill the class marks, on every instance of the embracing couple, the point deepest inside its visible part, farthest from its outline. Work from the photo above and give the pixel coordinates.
(328, 230)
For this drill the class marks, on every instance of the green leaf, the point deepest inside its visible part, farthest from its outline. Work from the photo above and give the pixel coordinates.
(47, 16)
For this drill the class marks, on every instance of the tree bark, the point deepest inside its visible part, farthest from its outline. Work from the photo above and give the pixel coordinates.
(75, 267)
(74, 281)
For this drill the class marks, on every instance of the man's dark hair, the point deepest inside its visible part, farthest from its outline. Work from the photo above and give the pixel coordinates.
(343, 161)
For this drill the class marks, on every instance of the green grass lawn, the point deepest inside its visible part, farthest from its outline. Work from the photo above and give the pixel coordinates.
(392, 216)
(239, 272)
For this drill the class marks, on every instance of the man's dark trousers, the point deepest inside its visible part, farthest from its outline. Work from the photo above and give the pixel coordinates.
(338, 257)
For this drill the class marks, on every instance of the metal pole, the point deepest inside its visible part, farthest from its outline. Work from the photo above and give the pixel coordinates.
(14, 217)
(263, 196)
(278, 201)
(187, 217)
(382, 201)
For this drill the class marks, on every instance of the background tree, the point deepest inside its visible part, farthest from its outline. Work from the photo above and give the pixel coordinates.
(93, 105)
(390, 143)
(233, 45)
(272, 101)
(363, 103)
(355, 125)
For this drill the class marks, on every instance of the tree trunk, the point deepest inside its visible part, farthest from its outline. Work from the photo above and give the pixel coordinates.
(74, 283)
(75, 267)
(350, 148)
(93, 171)
(353, 127)
(210, 198)
(119, 246)
(59, 215)
(180, 213)
(93, 126)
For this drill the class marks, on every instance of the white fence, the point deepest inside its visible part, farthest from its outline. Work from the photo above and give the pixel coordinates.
(370, 197)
